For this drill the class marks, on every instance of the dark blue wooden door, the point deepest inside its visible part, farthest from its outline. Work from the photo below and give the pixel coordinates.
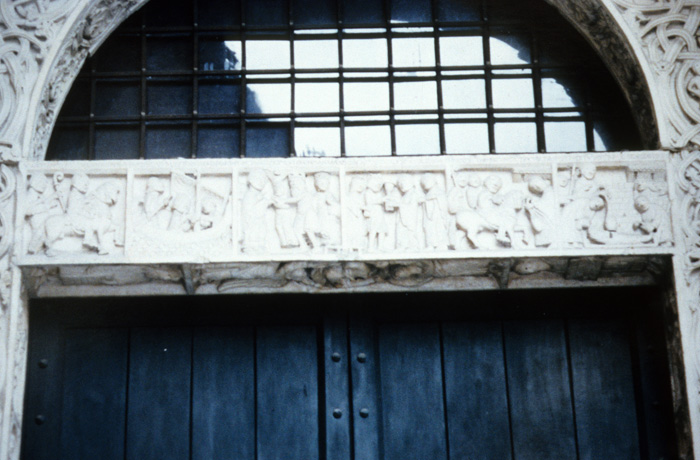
(566, 375)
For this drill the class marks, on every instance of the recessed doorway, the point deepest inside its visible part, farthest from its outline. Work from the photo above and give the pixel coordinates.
(550, 374)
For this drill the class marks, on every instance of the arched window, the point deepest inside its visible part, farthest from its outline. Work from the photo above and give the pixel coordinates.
(268, 78)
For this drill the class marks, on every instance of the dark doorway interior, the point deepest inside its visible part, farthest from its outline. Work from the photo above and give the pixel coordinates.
(572, 374)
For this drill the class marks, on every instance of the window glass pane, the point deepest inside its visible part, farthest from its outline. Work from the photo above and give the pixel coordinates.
(269, 98)
(411, 11)
(316, 54)
(267, 13)
(117, 142)
(367, 140)
(464, 94)
(368, 52)
(458, 10)
(513, 93)
(317, 142)
(120, 54)
(169, 54)
(561, 93)
(69, 143)
(417, 139)
(413, 52)
(168, 140)
(363, 11)
(219, 95)
(364, 97)
(315, 12)
(461, 51)
(169, 97)
(509, 49)
(218, 139)
(612, 134)
(316, 97)
(267, 141)
(219, 54)
(466, 138)
(222, 13)
(117, 98)
(77, 102)
(565, 136)
(177, 13)
(515, 137)
(267, 54)
(415, 95)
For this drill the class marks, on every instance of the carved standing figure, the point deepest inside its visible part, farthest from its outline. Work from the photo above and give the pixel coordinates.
(356, 227)
(392, 200)
(539, 207)
(374, 212)
(257, 199)
(408, 223)
(155, 202)
(434, 213)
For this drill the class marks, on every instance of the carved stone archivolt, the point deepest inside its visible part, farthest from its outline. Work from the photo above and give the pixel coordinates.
(668, 32)
(194, 211)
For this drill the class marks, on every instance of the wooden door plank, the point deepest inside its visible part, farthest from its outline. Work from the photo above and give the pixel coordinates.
(223, 394)
(366, 428)
(540, 396)
(475, 383)
(606, 419)
(287, 393)
(335, 362)
(42, 409)
(412, 392)
(158, 420)
(94, 394)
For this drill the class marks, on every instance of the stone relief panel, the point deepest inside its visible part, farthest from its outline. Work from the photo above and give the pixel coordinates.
(291, 212)
(181, 213)
(190, 212)
(73, 213)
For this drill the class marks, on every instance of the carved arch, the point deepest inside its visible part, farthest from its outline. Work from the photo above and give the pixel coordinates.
(54, 46)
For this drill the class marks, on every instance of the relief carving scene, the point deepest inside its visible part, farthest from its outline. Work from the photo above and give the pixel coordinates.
(183, 213)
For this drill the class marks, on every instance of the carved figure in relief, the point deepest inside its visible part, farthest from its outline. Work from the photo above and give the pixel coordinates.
(408, 222)
(654, 223)
(322, 215)
(586, 209)
(434, 213)
(538, 208)
(257, 199)
(155, 201)
(495, 212)
(41, 204)
(288, 190)
(457, 202)
(88, 215)
(374, 213)
(356, 228)
(392, 200)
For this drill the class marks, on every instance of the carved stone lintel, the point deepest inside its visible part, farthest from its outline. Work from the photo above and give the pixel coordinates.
(191, 211)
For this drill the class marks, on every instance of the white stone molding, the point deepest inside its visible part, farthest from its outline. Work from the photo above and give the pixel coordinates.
(668, 35)
(201, 211)
(13, 323)
(343, 276)
(686, 200)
